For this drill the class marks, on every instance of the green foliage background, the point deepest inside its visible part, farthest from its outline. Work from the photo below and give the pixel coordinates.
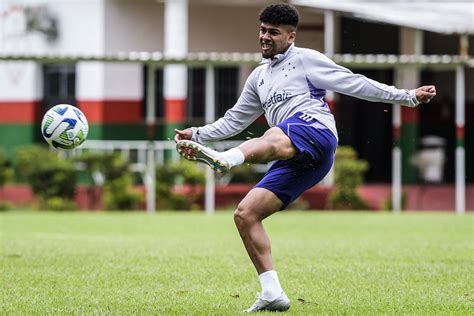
(349, 174)
(118, 187)
(6, 170)
(178, 172)
(52, 179)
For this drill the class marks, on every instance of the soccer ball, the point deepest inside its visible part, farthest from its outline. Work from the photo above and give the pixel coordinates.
(64, 127)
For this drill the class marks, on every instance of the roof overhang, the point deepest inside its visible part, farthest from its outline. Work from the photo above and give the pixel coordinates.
(448, 17)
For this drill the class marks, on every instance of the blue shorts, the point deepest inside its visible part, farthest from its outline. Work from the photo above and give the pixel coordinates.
(315, 145)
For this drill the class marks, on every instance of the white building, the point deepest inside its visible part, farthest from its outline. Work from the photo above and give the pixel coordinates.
(113, 94)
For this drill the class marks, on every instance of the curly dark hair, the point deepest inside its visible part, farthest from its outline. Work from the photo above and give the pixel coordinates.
(280, 14)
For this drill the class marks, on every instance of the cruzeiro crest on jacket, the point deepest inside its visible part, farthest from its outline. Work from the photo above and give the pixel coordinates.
(276, 97)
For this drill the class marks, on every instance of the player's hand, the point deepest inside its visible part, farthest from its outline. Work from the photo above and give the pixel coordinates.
(424, 94)
(184, 134)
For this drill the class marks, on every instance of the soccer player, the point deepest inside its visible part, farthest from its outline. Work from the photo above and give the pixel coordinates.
(288, 87)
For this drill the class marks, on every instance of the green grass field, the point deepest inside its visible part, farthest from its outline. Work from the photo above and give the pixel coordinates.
(190, 263)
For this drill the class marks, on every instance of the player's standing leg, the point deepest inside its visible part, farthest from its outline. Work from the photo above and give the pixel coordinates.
(257, 205)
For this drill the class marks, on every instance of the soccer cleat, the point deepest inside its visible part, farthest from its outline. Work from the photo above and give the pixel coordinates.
(197, 152)
(280, 304)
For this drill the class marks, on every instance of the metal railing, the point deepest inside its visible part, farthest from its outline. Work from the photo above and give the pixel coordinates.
(144, 156)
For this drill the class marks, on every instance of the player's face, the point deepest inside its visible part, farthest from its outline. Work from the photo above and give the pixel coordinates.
(275, 39)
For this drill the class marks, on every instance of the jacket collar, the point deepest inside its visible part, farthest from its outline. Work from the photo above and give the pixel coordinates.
(279, 57)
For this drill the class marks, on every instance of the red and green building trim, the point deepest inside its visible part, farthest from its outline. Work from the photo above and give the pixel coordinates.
(175, 114)
(19, 124)
(408, 142)
(114, 119)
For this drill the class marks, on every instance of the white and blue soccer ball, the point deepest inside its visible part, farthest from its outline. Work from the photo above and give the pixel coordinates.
(64, 127)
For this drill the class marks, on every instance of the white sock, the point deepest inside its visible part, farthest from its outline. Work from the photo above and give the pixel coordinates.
(271, 287)
(234, 156)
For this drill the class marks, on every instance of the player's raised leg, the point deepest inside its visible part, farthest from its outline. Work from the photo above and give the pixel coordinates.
(257, 205)
(273, 145)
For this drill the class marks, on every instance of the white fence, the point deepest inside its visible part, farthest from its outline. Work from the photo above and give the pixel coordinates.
(144, 156)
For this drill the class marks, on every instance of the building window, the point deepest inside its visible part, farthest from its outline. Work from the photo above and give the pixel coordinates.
(196, 102)
(367, 127)
(159, 99)
(226, 92)
(362, 37)
(59, 85)
(440, 44)
(227, 81)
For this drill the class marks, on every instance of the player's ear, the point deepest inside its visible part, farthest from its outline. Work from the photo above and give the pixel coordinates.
(292, 37)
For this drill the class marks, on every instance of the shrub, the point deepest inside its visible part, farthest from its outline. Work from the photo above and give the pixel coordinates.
(5, 206)
(6, 174)
(120, 194)
(48, 175)
(299, 204)
(348, 172)
(59, 204)
(244, 173)
(387, 202)
(180, 172)
(6, 170)
(118, 190)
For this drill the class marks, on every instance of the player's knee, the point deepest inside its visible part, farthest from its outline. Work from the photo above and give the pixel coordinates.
(271, 146)
(240, 216)
(243, 215)
(279, 144)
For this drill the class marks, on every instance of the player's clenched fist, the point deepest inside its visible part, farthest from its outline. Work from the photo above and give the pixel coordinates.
(424, 94)
(184, 134)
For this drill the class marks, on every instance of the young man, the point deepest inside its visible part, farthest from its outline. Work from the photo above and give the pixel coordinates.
(289, 88)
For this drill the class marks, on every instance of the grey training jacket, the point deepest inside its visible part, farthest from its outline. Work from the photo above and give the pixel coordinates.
(296, 81)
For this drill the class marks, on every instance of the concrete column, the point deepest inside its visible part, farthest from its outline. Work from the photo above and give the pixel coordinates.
(460, 150)
(331, 28)
(175, 76)
(396, 156)
(411, 42)
(460, 122)
(330, 23)
(109, 94)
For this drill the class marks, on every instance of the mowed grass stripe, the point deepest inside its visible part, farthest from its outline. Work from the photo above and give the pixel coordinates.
(190, 263)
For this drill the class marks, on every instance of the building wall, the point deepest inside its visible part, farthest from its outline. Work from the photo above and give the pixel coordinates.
(21, 89)
(223, 28)
(111, 94)
(133, 26)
